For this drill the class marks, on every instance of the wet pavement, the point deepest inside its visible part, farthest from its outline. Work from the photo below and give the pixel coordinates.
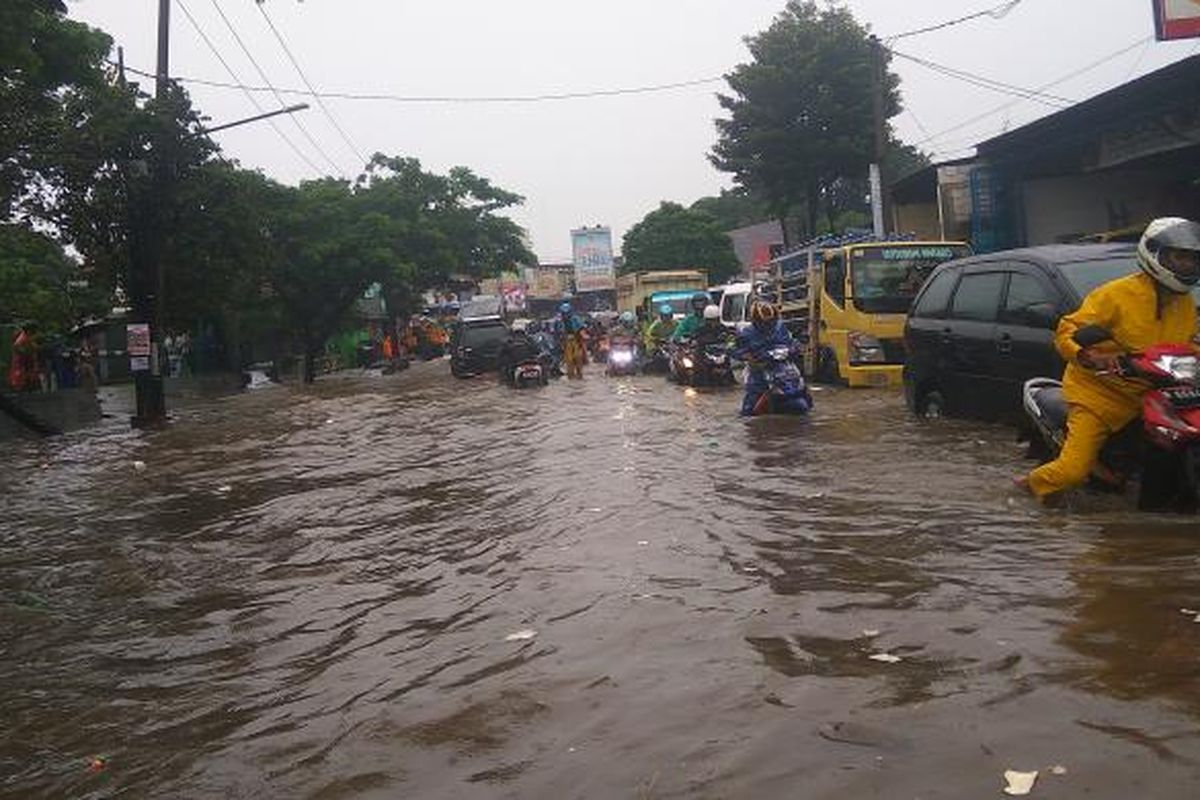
(410, 586)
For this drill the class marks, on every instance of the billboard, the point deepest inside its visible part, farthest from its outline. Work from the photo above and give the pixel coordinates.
(591, 250)
(1177, 19)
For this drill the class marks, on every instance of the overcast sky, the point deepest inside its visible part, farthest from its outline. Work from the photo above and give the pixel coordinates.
(603, 160)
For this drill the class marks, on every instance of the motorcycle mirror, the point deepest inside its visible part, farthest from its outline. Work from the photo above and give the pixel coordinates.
(1092, 335)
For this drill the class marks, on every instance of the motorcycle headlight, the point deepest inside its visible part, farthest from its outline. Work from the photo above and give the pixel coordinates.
(621, 357)
(1181, 368)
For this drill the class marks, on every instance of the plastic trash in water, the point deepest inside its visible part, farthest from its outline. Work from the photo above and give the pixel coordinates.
(97, 763)
(225, 489)
(869, 633)
(521, 636)
(1019, 783)
(886, 658)
(139, 466)
(1058, 769)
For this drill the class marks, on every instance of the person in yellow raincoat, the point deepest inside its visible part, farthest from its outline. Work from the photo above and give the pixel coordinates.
(574, 341)
(1154, 306)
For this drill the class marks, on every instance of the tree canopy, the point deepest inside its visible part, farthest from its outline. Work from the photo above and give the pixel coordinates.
(801, 113)
(674, 237)
(79, 152)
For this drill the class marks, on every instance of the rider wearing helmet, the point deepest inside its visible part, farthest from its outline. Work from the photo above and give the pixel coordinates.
(711, 331)
(1153, 306)
(573, 345)
(694, 321)
(661, 329)
(754, 342)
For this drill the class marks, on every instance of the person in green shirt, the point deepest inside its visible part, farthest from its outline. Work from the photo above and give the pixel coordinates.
(693, 322)
(659, 331)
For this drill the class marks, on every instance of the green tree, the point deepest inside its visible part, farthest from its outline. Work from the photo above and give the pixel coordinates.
(734, 208)
(45, 59)
(674, 237)
(801, 112)
(39, 285)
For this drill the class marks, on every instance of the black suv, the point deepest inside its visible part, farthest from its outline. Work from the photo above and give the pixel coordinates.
(475, 346)
(984, 325)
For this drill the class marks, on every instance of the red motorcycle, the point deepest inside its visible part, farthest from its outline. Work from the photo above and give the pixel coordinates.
(1165, 447)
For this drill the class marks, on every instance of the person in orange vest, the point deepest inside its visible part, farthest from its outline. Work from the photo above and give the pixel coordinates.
(23, 371)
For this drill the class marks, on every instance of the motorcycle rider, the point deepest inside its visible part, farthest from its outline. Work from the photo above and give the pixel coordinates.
(1153, 306)
(711, 331)
(574, 344)
(518, 348)
(660, 330)
(694, 321)
(754, 343)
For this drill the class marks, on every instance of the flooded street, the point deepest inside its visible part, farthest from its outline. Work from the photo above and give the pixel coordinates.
(413, 586)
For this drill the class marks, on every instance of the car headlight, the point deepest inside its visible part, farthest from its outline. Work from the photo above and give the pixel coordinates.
(865, 349)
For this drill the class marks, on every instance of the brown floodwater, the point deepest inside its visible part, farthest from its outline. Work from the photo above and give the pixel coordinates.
(411, 586)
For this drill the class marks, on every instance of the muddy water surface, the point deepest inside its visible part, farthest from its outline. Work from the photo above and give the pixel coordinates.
(419, 587)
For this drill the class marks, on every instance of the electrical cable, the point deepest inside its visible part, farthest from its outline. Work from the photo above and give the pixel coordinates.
(320, 102)
(996, 12)
(991, 84)
(263, 75)
(397, 98)
(1051, 85)
(253, 100)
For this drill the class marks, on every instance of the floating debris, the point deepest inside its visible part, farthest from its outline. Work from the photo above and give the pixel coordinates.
(139, 466)
(521, 636)
(1019, 783)
(886, 658)
(870, 633)
(1058, 769)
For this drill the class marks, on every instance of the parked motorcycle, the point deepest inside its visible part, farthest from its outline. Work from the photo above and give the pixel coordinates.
(787, 391)
(701, 365)
(623, 356)
(1162, 450)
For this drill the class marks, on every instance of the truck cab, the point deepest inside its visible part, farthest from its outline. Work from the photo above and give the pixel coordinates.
(847, 299)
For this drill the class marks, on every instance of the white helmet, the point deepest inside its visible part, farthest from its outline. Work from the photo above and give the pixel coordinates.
(1169, 233)
(712, 312)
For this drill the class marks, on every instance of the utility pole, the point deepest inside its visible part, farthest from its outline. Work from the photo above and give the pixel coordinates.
(146, 270)
(878, 97)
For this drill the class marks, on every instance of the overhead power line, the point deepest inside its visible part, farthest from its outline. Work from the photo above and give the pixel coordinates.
(320, 102)
(996, 12)
(988, 83)
(1070, 76)
(249, 95)
(400, 98)
(282, 103)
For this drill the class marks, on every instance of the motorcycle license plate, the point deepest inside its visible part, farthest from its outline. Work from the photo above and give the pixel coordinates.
(530, 372)
(1188, 397)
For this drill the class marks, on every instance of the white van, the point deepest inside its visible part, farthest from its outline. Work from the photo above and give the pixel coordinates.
(735, 304)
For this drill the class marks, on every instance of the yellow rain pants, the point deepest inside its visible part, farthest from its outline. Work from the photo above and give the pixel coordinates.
(574, 355)
(1139, 316)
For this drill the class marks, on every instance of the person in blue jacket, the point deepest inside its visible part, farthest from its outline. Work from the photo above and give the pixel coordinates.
(754, 343)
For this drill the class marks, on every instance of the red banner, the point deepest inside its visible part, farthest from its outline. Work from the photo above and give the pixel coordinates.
(1177, 19)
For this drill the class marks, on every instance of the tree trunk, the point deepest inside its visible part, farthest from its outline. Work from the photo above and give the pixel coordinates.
(310, 364)
(787, 239)
(812, 206)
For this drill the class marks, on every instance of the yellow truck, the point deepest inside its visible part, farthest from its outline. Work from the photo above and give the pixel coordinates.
(847, 301)
(636, 289)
